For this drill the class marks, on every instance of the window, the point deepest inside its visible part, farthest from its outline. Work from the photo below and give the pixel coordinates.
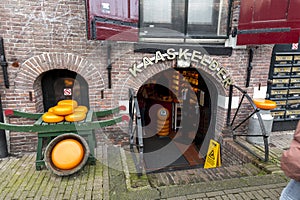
(188, 19)
(112, 19)
(160, 15)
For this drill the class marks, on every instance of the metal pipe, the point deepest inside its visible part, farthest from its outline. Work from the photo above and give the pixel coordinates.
(3, 142)
(109, 64)
(249, 68)
(3, 63)
(229, 104)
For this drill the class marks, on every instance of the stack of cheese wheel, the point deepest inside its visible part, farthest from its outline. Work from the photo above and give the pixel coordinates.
(67, 110)
(163, 122)
(175, 85)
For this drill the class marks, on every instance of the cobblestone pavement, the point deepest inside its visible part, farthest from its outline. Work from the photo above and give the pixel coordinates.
(112, 178)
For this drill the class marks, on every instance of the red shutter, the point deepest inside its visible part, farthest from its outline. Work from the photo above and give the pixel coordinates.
(269, 22)
(113, 19)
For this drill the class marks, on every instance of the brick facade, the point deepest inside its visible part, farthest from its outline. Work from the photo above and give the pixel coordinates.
(45, 35)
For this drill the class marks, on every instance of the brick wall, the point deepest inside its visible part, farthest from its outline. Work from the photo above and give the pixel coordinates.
(44, 35)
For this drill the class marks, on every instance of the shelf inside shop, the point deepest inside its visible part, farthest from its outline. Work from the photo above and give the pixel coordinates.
(293, 98)
(278, 114)
(294, 87)
(279, 120)
(283, 65)
(280, 88)
(291, 119)
(287, 53)
(294, 76)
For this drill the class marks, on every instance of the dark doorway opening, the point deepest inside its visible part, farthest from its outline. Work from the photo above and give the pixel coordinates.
(62, 84)
(176, 111)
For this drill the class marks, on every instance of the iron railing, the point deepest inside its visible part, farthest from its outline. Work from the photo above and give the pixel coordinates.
(234, 127)
(135, 131)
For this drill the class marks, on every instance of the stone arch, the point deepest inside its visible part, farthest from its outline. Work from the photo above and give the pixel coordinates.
(34, 67)
(136, 82)
(216, 89)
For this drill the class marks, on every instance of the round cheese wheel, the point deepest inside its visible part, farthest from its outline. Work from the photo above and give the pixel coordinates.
(163, 114)
(52, 118)
(75, 117)
(63, 110)
(265, 104)
(50, 110)
(67, 154)
(81, 109)
(68, 102)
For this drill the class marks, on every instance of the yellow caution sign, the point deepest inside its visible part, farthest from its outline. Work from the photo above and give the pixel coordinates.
(213, 157)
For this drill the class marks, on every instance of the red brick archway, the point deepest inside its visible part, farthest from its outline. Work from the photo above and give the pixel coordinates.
(28, 79)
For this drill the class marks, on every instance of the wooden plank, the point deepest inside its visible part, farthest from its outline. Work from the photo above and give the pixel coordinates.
(89, 116)
(60, 127)
(39, 121)
(27, 115)
(104, 113)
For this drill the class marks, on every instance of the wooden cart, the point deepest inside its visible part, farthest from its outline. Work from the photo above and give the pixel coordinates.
(47, 131)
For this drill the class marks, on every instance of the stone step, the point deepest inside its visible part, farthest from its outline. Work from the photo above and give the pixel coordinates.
(198, 175)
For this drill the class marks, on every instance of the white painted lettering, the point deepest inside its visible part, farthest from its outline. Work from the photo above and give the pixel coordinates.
(182, 53)
(222, 73)
(171, 54)
(196, 54)
(135, 69)
(159, 56)
(205, 60)
(227, 82)
(213, 65)
(146, 62)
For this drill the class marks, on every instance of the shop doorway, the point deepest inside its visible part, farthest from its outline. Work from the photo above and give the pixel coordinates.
(176, 111)
(62, 84)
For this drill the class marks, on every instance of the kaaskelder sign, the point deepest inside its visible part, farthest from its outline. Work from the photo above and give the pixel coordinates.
(184, 54)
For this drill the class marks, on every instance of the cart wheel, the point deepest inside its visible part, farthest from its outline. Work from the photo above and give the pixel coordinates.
(66, 154)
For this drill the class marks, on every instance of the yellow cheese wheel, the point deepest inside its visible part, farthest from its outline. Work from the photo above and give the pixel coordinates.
(265, 104)
(163, 122)
(67, 154)
(50, 110)
(81, 109)
(161, 133)
(163, 114)
(63, 110)
(68, 102)
(52, 118)
(75, 117)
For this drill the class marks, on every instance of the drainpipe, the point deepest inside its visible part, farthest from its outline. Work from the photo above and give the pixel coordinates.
(3, 142)
(109, 65)
(3, 63)
(249, 68)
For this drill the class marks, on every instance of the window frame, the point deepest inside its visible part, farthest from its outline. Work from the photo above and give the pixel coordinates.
(184, 32)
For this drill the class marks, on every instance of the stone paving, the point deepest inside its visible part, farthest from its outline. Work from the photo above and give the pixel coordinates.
(113, 177)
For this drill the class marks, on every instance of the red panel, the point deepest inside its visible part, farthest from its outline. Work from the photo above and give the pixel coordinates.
(264, 15)
(294, 13)
(115, 9)
(106, 31)
(270, 10)
(268, 38)
(115, 12)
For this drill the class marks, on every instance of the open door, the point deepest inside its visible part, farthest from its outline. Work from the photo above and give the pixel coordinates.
(62, 84)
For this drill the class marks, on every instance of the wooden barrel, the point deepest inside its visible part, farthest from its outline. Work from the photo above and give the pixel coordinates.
(66, 154)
